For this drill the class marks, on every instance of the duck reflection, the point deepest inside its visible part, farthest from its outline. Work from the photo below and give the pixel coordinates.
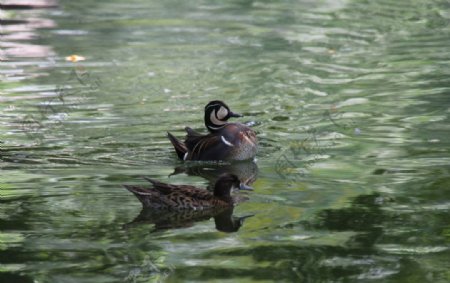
(164, 220)
(176, 206)
(246, 171)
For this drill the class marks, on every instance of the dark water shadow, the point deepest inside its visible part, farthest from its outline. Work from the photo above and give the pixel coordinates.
(28, 5)
(16, 278)
(308, 262)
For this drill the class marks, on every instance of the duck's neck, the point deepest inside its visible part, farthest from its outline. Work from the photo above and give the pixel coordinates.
(222, 191)
(227, 199)
(214, 128)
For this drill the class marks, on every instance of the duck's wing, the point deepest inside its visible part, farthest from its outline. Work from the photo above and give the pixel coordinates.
(206, 147)
(180, 190)
(140, 190)
(191, 132)
(149, 197)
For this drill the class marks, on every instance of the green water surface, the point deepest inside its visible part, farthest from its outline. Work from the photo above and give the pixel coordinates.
(350, 101)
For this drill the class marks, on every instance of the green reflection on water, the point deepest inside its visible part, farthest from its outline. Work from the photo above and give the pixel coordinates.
(349, 100)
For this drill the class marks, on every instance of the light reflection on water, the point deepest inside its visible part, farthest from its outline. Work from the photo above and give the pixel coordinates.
(348, 100)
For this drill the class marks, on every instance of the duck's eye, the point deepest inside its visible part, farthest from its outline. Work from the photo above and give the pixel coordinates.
(222, 113)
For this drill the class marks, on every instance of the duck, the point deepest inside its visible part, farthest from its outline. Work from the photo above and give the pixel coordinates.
(186, 197)
(225, 141)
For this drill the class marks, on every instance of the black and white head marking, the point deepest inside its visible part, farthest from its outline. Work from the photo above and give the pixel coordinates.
(217, 114)
(218, 117)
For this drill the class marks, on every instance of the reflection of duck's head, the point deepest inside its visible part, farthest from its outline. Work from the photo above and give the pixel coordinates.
(217, 114)
(226, 222)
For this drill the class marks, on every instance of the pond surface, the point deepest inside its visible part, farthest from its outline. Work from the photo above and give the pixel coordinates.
(350, 100)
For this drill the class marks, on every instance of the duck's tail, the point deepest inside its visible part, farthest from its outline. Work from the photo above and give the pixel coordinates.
(138, 190)
(144, 195)
(180, 147)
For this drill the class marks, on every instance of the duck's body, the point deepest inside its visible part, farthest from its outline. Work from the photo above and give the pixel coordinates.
(184, 197)
(226, 141)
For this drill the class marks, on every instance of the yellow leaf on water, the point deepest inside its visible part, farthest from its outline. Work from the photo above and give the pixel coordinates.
(75, 58)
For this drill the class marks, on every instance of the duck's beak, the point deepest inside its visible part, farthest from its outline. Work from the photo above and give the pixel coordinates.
(244, 187)
(235, 115)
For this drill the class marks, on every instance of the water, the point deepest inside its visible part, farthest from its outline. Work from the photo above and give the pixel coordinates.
(349, 99)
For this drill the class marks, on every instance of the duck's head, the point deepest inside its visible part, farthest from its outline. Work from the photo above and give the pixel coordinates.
(226, 182)
(217, 114)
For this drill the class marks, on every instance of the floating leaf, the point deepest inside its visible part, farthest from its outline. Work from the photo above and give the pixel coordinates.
(75, 58)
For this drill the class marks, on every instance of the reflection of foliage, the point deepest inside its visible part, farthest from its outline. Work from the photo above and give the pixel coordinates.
(364, 215)
(288, 263)
(14, 277)
(62, 232)
(33, 124)
(382, 242)
(303, 261)
(10, 240)
(293, 163)
(334, 117)
(306, 152)
(148, 270)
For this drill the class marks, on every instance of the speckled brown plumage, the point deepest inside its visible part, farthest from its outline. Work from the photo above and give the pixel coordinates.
(184, 197)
